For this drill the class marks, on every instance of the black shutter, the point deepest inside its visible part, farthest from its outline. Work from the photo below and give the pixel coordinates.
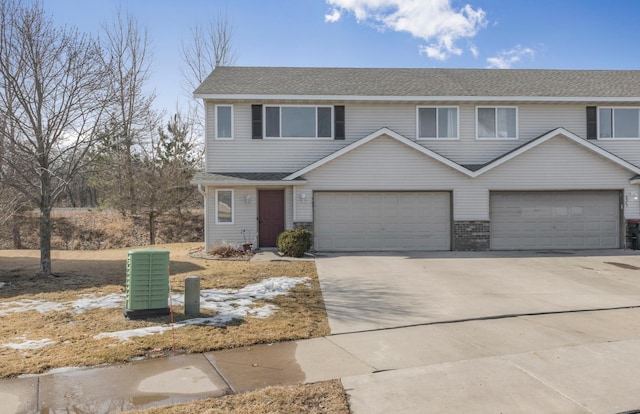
(338, 114)
(256, 121)
(592, 122)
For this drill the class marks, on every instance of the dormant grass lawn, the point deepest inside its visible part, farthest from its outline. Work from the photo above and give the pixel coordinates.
(323, 397)
(300, 315)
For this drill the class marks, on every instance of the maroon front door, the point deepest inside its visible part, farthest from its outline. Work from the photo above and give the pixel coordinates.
(270, 216)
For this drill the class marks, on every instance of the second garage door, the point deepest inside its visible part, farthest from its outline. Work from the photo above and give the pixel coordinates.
(555, 219)
(382, 221)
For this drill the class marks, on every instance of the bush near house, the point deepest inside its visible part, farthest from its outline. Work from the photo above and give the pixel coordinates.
(294, 243)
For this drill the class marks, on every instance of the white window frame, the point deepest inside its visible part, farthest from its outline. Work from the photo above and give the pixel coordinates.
(216, 122)
(496, 138)
(614, 138)
(457, 137)
(233, 207)
(264, 117)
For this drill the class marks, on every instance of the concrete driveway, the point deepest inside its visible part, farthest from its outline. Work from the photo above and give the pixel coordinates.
(520, 332)
(368, 291)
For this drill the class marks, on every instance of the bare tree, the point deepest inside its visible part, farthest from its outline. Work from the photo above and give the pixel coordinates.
(131, 116)
(210, 46)
(167, 166)
(52, 94)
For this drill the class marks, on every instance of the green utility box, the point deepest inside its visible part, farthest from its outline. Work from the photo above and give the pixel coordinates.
(147, 283)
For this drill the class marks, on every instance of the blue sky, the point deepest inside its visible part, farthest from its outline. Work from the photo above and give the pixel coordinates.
(545, 34)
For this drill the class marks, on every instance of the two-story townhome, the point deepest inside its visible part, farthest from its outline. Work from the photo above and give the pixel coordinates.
(422, 159)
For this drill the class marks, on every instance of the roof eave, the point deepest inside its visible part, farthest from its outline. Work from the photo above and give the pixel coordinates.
(401, 98)
(247, 183)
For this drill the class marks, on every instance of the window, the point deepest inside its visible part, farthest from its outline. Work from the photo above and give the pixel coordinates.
(619, 122)
(497, 123)
(224, 122)
(437, 122)
(298, 122)
(224, 206)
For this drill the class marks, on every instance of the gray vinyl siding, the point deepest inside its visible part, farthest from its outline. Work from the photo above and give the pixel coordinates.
(556, 165)
(244, 217)
(243, 154)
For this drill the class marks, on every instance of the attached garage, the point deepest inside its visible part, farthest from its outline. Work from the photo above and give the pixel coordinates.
(352, 221)
(555, 220)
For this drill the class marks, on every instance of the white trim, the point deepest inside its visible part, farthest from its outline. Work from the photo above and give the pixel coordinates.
(215, 131)
(612, 138)
(233, 206)
(567, 134)
(414, 98)
(436, 138)
(497, 138)
(264, 117)
(381, 132)
(293, 196)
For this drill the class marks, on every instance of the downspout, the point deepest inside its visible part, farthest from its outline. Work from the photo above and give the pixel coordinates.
(201, 191)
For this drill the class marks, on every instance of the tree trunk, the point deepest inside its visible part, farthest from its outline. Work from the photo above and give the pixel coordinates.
(45, 240)
(15, 231)
(152, 228)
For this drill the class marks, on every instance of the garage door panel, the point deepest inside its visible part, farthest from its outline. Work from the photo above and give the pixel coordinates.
(549, 220)
(382, 221)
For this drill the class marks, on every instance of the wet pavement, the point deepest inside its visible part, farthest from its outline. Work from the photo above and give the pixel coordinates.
(568, 363)
(124, 387)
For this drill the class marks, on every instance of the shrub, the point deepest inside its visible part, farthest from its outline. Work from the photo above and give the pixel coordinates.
(226, 250)
(294, 243)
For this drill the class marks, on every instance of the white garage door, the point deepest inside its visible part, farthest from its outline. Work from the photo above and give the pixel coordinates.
(552, 220)
(382, 221)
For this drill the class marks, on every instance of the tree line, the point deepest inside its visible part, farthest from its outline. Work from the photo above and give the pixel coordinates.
(78, 125)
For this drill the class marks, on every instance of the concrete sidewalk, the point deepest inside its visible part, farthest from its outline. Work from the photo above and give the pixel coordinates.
(583, 362)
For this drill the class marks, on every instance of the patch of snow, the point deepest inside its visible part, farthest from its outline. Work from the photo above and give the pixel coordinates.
(229, 304)
(85, 303)
(29, 344)
(89, 302)
(2, 284)
(26, 305)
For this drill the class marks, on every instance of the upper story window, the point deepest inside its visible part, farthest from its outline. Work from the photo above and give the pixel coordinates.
(298, 122)
(224, 206)
(224, 122)
(437, 122)
(618, 122)
(497, 122)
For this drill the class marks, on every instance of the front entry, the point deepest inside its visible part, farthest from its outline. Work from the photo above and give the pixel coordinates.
(270, 216)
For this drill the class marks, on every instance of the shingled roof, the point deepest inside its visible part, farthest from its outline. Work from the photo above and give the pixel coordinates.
(304, 82)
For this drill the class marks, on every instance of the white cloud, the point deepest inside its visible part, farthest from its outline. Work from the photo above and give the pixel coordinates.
(433, 21)
(333, 17)
(474, 51)
(506, 58)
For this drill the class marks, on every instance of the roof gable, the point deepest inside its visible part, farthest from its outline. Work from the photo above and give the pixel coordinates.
(470, 171)
(558, 132)
(377, 134)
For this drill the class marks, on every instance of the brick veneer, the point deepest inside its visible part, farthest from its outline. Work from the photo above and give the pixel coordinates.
(471, 235)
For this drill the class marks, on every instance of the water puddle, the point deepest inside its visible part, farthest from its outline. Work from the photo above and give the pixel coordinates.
(255, 367)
